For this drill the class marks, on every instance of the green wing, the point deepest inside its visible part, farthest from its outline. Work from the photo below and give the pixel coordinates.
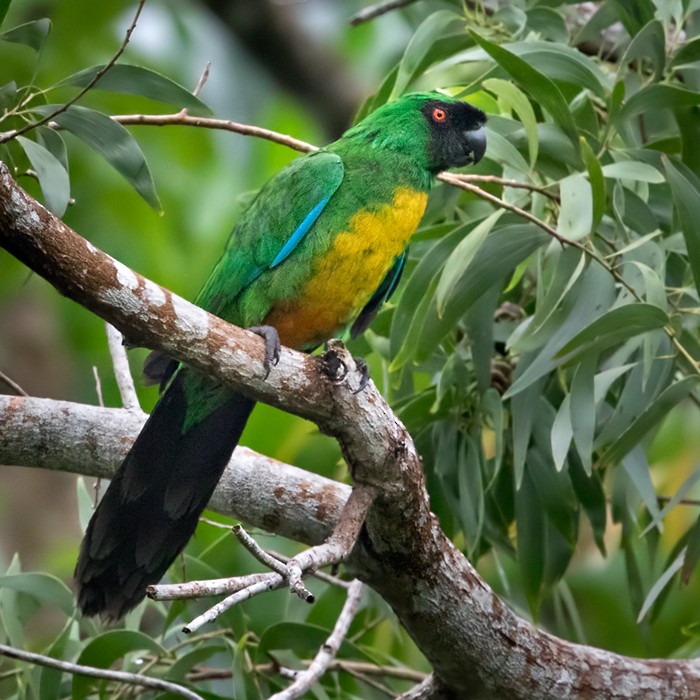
(273, 226)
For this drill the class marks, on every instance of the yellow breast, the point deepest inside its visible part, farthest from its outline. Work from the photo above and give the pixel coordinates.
(346, 277)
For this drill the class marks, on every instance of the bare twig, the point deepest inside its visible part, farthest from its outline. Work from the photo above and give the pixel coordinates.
(267, 582)
(257, 551)
(122, 372)
(506, 182)
(117, 676)
(180, 119)
(202, 80)
(381, 8)
(204, 589)
(328, 651)
(12, 384)
(338, 546)
(455, 180)
(320, 575)
(45, 120)
(363, 667)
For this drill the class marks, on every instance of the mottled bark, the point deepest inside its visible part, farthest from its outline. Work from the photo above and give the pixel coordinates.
(478, 647)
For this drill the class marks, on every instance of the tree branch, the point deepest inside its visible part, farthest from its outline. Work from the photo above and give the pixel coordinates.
(81, 670)
(478, 647)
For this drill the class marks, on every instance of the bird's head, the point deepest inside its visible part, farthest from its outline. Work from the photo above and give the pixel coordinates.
(441, 131)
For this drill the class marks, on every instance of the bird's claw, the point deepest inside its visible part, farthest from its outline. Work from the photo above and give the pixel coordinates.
(334, 367)
(273, 346)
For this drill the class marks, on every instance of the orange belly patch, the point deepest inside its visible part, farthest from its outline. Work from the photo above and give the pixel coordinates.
(353, 268)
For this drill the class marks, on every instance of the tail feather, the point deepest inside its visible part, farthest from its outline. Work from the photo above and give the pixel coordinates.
(152, 505)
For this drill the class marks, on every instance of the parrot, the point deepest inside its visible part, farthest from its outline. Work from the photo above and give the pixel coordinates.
(318, 251)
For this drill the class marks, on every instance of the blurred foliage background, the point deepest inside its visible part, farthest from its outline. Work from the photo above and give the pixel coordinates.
(551, 389)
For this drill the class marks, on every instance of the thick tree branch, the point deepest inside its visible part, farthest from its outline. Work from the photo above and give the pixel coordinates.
(478, 647)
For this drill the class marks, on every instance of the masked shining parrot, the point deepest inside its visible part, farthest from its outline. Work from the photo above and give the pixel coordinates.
(318, 251)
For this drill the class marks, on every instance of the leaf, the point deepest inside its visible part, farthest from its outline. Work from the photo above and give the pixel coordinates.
(685, 188)
(461, 258)
(583, 413)
(688, 53)
(545, 92)
(692, 553)
(614, 327)
(44, 588)
(649, 44)
(530, 519)
(137, 80)
(501, 251)
(674, 501)
(32, 34)
(501, 150)
(523, 409)
(104, 649)
(53, 177)
(576, 211)
(562, 433)
(591, 494)
(4, 7)
(648, 419)
(515, 99)
(660, 584)
(655, 97)
(636, 466)
(112, 141)
(633, 170)
(423, 39)
(594, 294)
(596, 179)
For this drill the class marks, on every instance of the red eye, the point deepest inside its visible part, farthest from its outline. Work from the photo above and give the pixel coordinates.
(439, 115)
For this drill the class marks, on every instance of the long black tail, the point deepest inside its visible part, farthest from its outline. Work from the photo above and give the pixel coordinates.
(152, 505)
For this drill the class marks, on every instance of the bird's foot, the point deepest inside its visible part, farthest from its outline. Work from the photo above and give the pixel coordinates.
(273, 346)
(336, 368)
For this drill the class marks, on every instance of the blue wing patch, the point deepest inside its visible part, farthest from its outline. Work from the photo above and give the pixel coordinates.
(300, 232)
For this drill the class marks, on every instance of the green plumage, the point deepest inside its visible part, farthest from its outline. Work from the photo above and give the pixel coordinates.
(324, 238)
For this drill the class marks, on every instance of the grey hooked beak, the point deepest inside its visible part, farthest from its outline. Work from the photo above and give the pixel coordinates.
(476, 143)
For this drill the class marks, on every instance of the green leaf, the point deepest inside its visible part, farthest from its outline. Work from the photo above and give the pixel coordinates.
(32, 34)
(648, 419)
(633, 170)
(530, 519)
(562, 433)
(649, 44)
(576, 211)
(523, 409)
(514, 98)
(659, 585)
(688, 53)
(634, 14)
(682, 492)
(655, 97)
(583, 412)
(4, 7)
(112, 141)
(595, 177)
(586, 302)
(685, 188)
(501, 251)
(433, 28)
(44, 588)
(591, 494)
(136, 80)
(613, 328)
(692, 553)
(545, 92)
(501, 150)
(104, 649)
(53, 177)
(460, 259)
